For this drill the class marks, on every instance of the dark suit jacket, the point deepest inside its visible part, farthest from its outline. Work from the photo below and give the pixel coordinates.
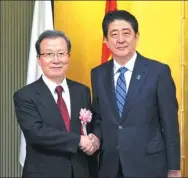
(146, 139)
(51, 150)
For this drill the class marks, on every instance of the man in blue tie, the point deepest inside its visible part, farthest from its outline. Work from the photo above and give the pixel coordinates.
(135, 110)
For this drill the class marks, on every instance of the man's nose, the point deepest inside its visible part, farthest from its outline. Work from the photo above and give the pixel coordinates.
(55, 59)
(121, 38)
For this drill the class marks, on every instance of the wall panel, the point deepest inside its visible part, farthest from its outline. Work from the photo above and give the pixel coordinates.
(15, 28)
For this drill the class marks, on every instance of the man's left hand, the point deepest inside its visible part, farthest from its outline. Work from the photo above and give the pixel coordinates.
(95, 145)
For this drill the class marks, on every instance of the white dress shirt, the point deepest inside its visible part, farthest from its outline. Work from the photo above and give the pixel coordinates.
(128, 74)
(65, 94)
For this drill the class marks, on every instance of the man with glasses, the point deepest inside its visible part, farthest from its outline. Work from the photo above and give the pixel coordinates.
(48, 114)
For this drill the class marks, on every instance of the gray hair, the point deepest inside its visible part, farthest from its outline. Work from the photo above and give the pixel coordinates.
(52, 34)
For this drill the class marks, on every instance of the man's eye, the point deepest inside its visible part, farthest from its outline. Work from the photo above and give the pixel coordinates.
(61, 54)
(49, 54)
(115, 34)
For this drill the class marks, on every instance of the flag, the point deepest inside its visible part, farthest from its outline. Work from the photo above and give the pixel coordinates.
(110, 6)
(42, 20)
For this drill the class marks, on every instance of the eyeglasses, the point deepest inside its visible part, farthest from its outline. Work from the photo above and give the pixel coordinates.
(50, 56)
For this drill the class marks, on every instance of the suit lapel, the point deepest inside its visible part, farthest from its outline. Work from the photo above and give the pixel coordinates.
(45, 97)
(137, 81)
(110, 90)
(75, 125)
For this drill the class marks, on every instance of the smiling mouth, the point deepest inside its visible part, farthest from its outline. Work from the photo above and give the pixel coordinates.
(124, 47)
(56, 67)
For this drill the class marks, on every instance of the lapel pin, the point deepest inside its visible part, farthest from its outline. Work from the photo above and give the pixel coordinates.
(138, 77)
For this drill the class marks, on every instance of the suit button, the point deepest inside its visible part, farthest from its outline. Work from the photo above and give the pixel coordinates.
(117, 147)
(70, 149)
(120, 127)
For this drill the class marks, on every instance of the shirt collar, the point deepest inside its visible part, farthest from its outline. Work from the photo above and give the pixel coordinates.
(52, 85)
(129, 65)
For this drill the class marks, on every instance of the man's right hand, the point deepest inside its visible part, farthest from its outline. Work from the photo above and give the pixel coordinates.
(85, 143)
(89, 144)
(95, 141)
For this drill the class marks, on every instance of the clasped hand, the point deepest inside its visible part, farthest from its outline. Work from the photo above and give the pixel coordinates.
(89, 144)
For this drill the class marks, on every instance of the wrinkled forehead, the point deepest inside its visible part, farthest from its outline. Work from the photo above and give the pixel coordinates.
(57, 43)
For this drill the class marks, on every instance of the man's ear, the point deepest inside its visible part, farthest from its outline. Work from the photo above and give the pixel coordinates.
(39, 61)
(137, 35)
(106, 41)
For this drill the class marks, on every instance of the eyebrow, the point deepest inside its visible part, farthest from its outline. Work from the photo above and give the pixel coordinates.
(126, 29)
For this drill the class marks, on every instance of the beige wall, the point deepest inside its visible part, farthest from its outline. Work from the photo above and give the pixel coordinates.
(15, 27)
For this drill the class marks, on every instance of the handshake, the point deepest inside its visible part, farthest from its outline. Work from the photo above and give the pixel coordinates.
(89, 144)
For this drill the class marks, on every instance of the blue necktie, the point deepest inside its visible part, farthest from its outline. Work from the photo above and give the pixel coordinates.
(121, 90)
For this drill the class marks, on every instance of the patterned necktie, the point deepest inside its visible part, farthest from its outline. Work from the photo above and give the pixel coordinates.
(62, 107)
(121, 90)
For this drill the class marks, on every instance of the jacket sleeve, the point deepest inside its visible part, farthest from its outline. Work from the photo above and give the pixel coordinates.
(39, 134)
(92, 159)
(96, 124)
(168, 110)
